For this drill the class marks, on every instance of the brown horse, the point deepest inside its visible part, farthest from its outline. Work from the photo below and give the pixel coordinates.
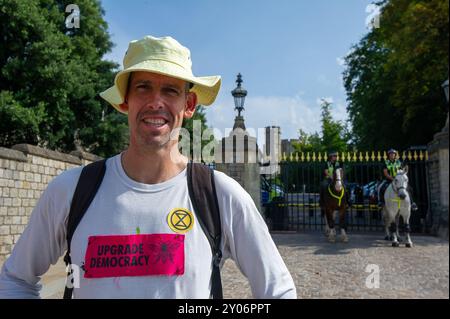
(335, 200)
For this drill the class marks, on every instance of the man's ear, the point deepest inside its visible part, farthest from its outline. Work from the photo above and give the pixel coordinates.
(405, 169)
(124, 106)
(191, 104)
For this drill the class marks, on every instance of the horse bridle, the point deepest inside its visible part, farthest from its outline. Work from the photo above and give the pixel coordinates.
(396, 190)
(340, 177)
(338, 197)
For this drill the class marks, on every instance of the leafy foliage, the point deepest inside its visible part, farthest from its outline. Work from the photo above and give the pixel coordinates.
(335, 135)
(394, 75)
(188, 124)
(51, 77)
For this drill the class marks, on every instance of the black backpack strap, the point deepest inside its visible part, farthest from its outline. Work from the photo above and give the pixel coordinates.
(202, 192)
(88, 184)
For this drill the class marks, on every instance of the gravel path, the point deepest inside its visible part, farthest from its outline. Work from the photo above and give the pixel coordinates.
(324, 270)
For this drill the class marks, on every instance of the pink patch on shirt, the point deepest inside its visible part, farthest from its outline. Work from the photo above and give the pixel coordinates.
(134, 255)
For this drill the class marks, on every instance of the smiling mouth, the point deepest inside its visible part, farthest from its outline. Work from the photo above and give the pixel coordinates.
(155, 122)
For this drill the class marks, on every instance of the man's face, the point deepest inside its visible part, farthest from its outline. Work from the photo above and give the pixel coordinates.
(333, 158)
(156, 106)
(391, 156)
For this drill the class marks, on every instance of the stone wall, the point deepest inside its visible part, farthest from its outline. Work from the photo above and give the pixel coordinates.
(25, 171)
(438, 183)
(247, 175)
(237, 156)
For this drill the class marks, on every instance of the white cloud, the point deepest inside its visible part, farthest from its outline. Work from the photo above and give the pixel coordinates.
(340, 61)
(300, 94)
(339, 111)
(338, 108)
(290, 113)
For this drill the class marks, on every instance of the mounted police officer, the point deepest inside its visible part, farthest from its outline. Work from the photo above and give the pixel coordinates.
(332, 166)
(391, 166)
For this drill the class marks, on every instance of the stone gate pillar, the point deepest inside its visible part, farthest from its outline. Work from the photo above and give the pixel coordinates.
(237, 154)
(438, 179)
(438, 183)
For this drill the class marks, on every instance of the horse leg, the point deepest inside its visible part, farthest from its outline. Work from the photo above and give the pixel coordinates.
(332, 233)
(343, 225)
(387, 223)
(409, 243)
(397, 221)
(394, 230)
(327, 228)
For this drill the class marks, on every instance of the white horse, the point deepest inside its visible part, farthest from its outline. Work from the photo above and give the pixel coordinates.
(397, 203)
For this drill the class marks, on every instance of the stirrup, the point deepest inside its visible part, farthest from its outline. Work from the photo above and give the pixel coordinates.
(414, 207)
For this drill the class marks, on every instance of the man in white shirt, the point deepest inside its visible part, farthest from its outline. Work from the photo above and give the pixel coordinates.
(128, 244)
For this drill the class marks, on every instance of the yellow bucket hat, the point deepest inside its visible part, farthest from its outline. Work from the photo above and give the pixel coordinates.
(164, 56)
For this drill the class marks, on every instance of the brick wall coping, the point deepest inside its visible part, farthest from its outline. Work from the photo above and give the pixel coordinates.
(19, 152)
(8, 153)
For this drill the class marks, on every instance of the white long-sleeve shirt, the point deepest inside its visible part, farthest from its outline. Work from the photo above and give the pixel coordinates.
(123, 208)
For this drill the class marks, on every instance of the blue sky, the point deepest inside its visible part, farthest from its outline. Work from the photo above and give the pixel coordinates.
(288, 51)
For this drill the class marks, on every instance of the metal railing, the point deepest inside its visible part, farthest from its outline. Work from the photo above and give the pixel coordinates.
(293, 201)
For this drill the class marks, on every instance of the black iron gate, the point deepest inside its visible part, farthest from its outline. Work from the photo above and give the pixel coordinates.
(291, 197)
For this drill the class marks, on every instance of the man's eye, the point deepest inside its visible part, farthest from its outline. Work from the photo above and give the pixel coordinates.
(172, 92)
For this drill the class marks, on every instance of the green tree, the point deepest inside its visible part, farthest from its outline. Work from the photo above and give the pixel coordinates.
(334, 136)
(374, 122)
(188, 124)
(22, 122)
(307, 142)
(394, 75)
(333, 132)
(53, 75)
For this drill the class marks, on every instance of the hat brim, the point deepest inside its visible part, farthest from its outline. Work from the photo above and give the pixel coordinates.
(206, 88)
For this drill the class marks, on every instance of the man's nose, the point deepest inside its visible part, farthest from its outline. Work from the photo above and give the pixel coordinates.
(155, 101)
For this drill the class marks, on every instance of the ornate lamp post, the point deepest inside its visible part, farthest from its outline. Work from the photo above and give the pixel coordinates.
(239, 94)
